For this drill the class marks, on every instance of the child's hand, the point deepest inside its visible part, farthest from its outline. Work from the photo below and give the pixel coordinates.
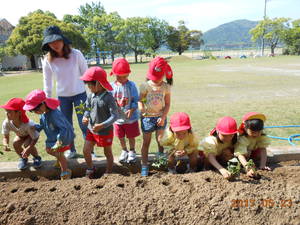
(160, 121)
(85, 121)
(251, 173)
(97, 127)
(25, 154)
(180, 153)
(128, 113)
(225, 173)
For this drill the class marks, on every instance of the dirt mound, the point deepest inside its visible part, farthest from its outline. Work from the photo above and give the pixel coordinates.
(179, 58)
(199, 198)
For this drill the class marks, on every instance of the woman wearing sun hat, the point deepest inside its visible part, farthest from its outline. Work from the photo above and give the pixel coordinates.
(218, 146)
(66, 65)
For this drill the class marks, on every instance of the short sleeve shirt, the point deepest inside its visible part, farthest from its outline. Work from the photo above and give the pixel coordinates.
(155, 97)
(245, 144)
(211, 145)
(24, 130)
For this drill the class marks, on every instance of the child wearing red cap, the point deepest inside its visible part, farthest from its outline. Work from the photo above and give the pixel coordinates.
(154, 105)
(58, 130)
(101, 112)
(252, 142)
(126, 95)
(181, 141)
(218, 146)
(26, 135)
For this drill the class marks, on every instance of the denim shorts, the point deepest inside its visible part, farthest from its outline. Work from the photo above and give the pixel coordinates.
(149, 124)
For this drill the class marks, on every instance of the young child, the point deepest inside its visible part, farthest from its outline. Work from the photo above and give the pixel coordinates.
(126, 95)
(154, 105)
(26, 135)
(101, 112)
(218, 146)
(181, 141)
(59, 131)
(252, 142)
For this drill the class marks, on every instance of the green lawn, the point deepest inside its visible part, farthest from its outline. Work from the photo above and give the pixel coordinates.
(205, 89)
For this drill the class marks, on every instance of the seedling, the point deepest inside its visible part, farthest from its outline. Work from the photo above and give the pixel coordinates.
(234, 167)
(160, 162)
(81, 108)
(251, 165)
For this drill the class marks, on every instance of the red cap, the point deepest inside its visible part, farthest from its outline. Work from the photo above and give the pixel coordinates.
(180, 121)
(159, 67)
(98, 74)
(251, 116)
(120, 66)
(36, 97)
(226, 125)
(16, 104)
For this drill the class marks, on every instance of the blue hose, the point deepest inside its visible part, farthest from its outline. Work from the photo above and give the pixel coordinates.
(290, 139)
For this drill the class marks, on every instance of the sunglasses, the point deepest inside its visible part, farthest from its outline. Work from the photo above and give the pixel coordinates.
(36, 108)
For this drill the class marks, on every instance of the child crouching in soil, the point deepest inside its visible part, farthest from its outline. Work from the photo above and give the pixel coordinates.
(59, 131)
(26, 135)
(252, 142)
(181, 141)
(218, 147)
(100, 114)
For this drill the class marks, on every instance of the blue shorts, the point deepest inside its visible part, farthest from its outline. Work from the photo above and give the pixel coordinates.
(149, 124)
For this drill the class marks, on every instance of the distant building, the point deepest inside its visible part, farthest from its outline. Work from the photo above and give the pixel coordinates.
(11, 62)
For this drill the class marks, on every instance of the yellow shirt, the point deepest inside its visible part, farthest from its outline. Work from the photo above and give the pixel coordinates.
(245, 144)
(173, 144)
(155, 97)
(211, 145)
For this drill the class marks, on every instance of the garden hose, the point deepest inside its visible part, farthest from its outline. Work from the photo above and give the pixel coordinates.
(290, 139)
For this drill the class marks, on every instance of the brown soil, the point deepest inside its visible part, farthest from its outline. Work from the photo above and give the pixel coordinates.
(198, 198)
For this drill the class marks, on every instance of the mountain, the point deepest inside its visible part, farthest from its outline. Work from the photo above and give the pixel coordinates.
(234, 34)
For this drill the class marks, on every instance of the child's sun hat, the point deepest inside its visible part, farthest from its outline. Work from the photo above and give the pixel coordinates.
(96, 73)
(158, 68)
(36, 97)
(180, 121)
(120, 67)
(16, 104)
(226, 125)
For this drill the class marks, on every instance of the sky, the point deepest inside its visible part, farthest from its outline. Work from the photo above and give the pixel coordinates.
(197, 14)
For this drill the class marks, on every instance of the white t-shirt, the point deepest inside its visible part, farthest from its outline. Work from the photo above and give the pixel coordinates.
(66, 73)
(24, 130)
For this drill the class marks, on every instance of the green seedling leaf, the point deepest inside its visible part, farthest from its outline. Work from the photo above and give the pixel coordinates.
(234, 167)
(251, 165)
(81, 108)
(160, 162)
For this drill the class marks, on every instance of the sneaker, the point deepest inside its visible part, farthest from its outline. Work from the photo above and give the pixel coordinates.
(22, 165)
(131, 157)
(70, 154)
(123, 157)
(172, 171)
(90, 173)
(37, 162)
(66, 175)
(145, 171)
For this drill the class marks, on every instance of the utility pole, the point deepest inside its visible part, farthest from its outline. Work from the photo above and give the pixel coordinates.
(263, 40)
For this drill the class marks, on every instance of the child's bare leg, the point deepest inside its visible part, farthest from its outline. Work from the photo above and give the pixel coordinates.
(131, 143)
(60, 157)
(87, 152)
(158, 135)
(123, 143)
(193, 160)
(171, 161)
(18, 145)
(109, 158)
(145, 147)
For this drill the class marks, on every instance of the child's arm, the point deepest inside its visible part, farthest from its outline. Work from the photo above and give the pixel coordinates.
(250, 171)
(34, 135)
(5, 143)
(263, 159)
(161, 120)
(212, 159)
(141, 104)
(86, 114)
(134, 100)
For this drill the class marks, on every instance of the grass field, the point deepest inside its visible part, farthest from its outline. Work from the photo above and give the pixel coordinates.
(206, 90)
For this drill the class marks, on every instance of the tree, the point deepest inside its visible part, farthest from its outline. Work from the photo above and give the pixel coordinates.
(271, 30)
(156, 34)
(134, 32)
(292, 38)
(27, 37)
(181, 38)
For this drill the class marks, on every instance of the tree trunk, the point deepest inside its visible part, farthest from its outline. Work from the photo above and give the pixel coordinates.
(272, 49)
(180, 52)
(112, 57)
(32, 62)
(136, 57)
